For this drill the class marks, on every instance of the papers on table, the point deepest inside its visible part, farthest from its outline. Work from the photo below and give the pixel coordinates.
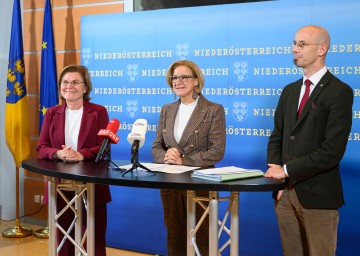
(226, 173)
(217, 174)
(166, 168)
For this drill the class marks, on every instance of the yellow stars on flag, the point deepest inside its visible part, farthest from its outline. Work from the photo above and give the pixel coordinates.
(44, 45)
(43, 110)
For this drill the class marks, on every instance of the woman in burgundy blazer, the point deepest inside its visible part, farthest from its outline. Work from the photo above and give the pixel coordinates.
(69, 133)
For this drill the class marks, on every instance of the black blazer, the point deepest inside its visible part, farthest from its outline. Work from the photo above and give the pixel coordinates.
(312, 146)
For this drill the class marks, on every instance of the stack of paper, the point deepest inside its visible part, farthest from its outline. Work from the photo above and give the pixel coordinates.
(226, 173)
(166, 168)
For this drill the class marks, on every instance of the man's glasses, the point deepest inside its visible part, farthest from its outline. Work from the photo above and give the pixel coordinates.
(73, 83)
(300, 45)
(182, 78)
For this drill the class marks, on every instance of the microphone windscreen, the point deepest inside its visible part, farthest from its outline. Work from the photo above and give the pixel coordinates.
(110, 131)
(138, 132)
(113, 125)
(140, 126)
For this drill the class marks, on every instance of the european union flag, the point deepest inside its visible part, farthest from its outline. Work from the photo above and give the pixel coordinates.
(48, 80)
(16, 113)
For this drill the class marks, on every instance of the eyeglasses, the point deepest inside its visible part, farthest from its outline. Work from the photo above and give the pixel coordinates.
(182, 78)
(300, 45)
(74, 83)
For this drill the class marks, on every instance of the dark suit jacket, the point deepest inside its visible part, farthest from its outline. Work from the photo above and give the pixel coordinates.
(203, 140)
(52, 137)
(312, 146)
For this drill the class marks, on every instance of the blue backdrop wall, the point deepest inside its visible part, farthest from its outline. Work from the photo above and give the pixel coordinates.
(245, 54)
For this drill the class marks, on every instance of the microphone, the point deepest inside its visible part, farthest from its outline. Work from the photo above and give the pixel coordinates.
(137, 138)
(109, 135)
(137, 135)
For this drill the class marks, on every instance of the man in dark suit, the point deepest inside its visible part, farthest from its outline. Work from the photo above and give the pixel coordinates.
(308, 141)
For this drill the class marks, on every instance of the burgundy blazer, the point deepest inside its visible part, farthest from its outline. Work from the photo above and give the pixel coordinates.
(52, 137)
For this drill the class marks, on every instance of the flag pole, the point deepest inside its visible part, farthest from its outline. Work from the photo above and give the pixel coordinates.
(16, 111)
(17, 231)
(48, 85)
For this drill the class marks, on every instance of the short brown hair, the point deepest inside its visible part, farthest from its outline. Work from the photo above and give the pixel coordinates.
(84, 72)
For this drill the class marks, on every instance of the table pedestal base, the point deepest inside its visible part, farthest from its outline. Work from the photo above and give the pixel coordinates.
(83, 196)
(216, 226)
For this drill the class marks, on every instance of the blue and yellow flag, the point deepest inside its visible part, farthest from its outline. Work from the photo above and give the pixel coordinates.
(48, 81)
(16, 113)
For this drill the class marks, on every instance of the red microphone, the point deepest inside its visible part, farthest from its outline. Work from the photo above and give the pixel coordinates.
(109, 134)
(110, 131)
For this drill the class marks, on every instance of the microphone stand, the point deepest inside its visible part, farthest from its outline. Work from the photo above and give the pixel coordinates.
(135, 159)
(102, 150)
(107, 159)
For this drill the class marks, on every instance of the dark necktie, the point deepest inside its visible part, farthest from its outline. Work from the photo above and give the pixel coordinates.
(305, 96)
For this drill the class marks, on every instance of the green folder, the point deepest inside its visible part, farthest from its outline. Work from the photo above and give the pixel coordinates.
(228, 176)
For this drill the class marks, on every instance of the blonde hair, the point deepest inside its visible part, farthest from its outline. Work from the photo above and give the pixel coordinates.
(196, 72)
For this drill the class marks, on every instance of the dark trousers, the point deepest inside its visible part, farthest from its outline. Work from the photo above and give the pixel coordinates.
(68, 248)
(175, 216)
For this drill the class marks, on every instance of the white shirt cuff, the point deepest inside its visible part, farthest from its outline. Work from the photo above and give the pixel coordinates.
(285, 170)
